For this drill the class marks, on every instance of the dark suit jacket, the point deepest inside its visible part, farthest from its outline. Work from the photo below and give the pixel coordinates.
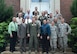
(22, 31)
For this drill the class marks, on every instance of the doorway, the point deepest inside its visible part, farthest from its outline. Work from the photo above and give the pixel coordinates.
(41, 4)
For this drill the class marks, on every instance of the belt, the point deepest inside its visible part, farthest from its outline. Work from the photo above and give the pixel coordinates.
(14, 31)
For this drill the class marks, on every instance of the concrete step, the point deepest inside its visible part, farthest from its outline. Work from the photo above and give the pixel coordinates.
(66, 53)
(69, 50)
(27, 48)
(9, 45)
(17, 45)
(17, 52)
(6, 52)
(17, 48)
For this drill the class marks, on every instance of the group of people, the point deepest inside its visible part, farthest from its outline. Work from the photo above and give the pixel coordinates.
(43, 30)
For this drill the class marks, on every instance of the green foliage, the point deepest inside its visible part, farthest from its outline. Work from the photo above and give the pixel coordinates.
(73, 37)
(5, 12)
(74, 8)
(3, 35)
(2, 40)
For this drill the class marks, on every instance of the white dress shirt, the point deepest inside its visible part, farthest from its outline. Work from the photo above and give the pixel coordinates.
(28, 21)
(19, 20)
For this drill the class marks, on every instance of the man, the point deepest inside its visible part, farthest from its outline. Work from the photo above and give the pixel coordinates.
(51, 17)
(53, 37)
(42, 17)
(28, 20)
(37, 21)
(45, 35)
(33, 32)
(19, 18)
(48, 22)
(36, 14)
(64, 30)
(12, 29)
(21, 11)
(57, 14)
(36, 11)
(19, 21)
(46, 13)
(57, 25)
(59, 19)
(55, 20)
(22, 36)
(28, 14)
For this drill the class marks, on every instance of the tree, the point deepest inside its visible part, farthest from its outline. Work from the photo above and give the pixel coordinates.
(5, 12)
(74, 8)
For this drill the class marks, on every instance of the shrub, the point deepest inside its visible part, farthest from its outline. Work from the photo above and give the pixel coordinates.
(74, 8)
(6, 14)
(73, 36)
(3, 35)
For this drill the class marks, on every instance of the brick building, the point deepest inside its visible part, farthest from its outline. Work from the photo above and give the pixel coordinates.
(51, 5)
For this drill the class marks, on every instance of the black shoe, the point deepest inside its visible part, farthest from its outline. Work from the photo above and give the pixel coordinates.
(46, 52)
(42, 52)
(11, 51)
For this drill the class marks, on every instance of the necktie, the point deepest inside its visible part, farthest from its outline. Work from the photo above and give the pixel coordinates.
(15, 26)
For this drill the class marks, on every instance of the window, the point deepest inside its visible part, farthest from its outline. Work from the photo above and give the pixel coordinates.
(35, 0)
(45, 0)
(40, 0)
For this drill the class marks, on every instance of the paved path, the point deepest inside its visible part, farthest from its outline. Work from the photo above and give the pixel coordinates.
(69, 51)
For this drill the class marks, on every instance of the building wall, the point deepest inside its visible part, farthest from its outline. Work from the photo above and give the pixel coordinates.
(65, 9)
(15, 4)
